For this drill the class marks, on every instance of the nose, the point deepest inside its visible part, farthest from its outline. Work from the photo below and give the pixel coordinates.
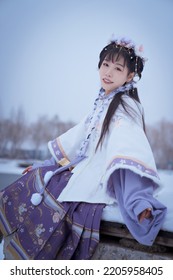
(108, 73)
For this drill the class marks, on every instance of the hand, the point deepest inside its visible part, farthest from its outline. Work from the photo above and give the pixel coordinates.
(26, 170)
(146, 214)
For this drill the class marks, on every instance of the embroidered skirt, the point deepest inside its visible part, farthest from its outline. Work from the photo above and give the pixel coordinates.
(51, 230)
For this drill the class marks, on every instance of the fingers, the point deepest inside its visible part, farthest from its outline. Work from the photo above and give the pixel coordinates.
(146, 214)
(26, 170)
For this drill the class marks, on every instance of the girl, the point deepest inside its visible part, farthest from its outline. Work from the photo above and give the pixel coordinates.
(54, 210)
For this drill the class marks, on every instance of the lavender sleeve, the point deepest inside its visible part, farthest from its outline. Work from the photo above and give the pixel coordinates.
(47, 162)
(134, 194)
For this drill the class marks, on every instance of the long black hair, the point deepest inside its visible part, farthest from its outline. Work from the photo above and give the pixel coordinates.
(135, 65)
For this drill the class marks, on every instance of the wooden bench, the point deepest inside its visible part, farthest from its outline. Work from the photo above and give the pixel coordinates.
(116, 243)
(119, 230)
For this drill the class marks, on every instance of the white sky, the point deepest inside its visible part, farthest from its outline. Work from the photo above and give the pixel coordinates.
(49, 53)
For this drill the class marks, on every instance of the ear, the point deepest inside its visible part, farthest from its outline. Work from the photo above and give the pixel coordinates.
(130, 77)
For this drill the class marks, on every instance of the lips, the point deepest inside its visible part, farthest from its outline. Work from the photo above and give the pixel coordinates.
(107, 81)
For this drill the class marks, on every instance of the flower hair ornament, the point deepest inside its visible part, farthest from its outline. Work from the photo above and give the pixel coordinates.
(134, 51)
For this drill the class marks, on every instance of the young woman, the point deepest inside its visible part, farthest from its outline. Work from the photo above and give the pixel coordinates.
(54, 210)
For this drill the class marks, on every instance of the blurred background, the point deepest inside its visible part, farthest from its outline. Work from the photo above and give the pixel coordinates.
(49, 78)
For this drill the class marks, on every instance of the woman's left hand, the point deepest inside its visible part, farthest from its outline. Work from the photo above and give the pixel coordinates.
(146, 214)
(26, 170)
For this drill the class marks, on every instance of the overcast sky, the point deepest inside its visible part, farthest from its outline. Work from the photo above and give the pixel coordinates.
(49, 53)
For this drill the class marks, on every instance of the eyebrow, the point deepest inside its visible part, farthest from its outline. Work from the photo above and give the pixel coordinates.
(119, 64)
(115, 62)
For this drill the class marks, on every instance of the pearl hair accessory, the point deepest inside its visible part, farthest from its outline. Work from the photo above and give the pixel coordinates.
(129, 45)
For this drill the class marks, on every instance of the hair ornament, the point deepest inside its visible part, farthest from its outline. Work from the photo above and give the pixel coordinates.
(141, 48)
(129, 45)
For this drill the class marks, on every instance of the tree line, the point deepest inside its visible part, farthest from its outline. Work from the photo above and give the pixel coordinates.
(160, 137)
(20, 139)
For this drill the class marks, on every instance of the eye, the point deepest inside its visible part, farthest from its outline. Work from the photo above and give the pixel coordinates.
(105, 64)
(119, 69)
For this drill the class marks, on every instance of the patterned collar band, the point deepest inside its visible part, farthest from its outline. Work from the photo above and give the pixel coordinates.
(124, 88)
(94, 119)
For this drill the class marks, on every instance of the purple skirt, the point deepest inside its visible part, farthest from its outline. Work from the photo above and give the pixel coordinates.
(51, 230)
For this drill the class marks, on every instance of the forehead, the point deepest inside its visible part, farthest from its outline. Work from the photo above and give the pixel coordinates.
(115, 58)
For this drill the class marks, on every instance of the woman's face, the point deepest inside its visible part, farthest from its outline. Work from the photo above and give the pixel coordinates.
(114, 74)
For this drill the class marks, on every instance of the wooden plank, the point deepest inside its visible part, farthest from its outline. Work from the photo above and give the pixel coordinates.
(121, 231)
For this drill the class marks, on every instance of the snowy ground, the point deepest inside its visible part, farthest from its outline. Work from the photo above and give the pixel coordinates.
(11, 170)
(10, 167)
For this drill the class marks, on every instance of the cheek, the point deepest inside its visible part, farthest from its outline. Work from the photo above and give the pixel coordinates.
(100, 73)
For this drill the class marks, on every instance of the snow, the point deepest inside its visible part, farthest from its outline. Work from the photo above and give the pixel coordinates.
(111, 213)
(10, 166)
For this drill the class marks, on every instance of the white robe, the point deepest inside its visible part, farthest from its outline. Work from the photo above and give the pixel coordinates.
(125, 146)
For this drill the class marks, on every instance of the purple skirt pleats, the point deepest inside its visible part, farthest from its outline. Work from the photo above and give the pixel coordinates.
(51, 230)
